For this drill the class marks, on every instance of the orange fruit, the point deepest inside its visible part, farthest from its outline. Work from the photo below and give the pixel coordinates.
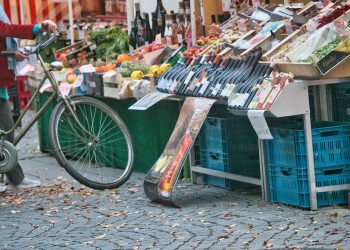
(122, 58)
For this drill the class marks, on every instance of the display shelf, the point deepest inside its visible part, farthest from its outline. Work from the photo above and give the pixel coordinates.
(286, 104)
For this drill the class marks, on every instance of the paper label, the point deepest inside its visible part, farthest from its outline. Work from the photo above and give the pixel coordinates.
(257, 119)
(228, 90)
(89, 68)
(46, 86)
(81, 35)
(189, 77)
(110, 73)
(179, 38)
(79, 81)
(311, 26)
(204, 86)
(65, 88)
(149, 100)
(216, 89)
(256, 3)
(241, 25)
(158, 39)
(33, 60)
(92, 84)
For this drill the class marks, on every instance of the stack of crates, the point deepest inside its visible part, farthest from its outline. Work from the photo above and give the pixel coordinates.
(287, 163)
(24, 92)
(230, 144)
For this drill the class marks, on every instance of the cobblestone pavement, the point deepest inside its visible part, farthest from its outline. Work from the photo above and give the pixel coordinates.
(65, 215)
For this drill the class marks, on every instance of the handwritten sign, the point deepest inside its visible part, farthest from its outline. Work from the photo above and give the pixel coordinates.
(257, 119)
(331, 60)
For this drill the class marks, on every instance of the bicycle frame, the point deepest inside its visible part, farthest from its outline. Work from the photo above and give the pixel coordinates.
(56, 92)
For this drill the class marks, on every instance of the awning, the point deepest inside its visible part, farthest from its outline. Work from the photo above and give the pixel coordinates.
(36, 11)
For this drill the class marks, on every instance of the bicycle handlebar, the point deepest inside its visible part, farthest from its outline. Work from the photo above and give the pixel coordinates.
(42, 45)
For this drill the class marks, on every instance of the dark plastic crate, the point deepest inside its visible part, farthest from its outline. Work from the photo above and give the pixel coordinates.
(342, 101)
(94, 84)
(287, 163)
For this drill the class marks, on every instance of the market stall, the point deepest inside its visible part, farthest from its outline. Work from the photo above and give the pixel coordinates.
(255, 82)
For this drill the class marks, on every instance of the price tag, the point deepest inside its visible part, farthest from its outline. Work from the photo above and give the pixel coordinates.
(311, 26)
(65, 88)
(241, 25)
(69, 34)
(87, 68)
(190, 75)
(179, 38)
(158, 39)
(340, 25)
(257, 119)
(216, 89)
(228, 90)
(204, 86)
(256, 3)
(149, 100)
(33, 59)
(81, 35)
(288, 25)
(257, 27)
(46, 86)
(109, 74)
(79, 81)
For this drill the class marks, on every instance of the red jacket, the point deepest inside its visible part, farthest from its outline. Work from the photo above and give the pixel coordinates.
(7, 77)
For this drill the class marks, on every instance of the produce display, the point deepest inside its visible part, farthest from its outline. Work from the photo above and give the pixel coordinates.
(339, 11)
(343, 46)
(110, 42)
(326, 49)
(225, 64)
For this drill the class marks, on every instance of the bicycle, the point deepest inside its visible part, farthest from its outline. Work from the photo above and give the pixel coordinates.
(88, 139)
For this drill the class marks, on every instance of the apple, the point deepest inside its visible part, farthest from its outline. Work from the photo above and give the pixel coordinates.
(63, 57)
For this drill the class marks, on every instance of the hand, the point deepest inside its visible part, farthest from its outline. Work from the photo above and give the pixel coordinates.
(48, 25)
(20, 56)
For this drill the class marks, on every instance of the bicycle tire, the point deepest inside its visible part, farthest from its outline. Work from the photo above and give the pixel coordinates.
(59, 133)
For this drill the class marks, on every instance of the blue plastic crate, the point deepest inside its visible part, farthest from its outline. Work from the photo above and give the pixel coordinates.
(216, 181)
(287, 163)
(331, 145)
(214, 160)
(291, 187)
(228, 134)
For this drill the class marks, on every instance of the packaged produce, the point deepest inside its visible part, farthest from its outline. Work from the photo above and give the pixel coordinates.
(318, 39)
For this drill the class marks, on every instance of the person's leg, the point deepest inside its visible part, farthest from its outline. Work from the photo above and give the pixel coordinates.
(15, 176)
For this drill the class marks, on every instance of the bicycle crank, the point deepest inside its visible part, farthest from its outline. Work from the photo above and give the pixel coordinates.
(8, 157)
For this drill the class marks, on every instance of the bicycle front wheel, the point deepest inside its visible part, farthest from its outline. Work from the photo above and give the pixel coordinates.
(100, 159)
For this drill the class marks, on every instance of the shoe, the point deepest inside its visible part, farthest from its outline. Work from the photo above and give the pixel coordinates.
(26, 183)
(3, 188)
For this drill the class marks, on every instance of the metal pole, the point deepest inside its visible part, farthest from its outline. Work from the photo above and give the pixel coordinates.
(310, 161)
(70, 13)
(130, 13)
(193, 22)
(21, 9)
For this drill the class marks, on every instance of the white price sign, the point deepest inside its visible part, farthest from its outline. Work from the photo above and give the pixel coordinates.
(257, 119)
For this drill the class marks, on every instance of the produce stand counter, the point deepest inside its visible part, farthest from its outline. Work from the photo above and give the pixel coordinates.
(150, 130)
(285, 105)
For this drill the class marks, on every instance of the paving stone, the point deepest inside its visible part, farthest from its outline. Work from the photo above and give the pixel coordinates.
(207, 214)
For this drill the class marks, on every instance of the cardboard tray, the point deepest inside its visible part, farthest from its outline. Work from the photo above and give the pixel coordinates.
(333, 65)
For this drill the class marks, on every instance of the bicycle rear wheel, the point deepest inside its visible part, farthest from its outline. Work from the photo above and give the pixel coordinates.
(102, 160)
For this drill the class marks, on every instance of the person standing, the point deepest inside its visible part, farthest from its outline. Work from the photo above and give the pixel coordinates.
(7, 78)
